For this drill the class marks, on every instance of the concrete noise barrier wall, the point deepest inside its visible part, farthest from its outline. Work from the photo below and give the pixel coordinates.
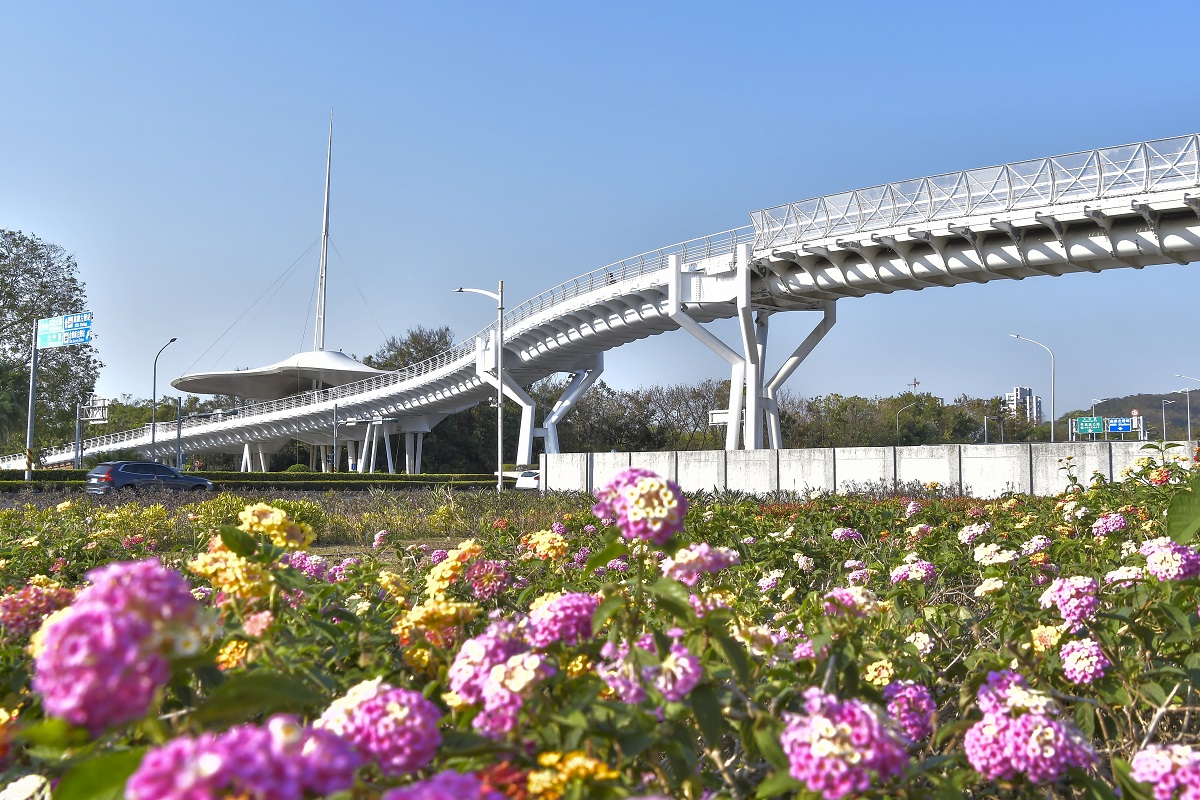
(978, 470)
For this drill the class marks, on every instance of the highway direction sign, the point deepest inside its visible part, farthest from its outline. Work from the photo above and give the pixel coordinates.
(65, 330)
(1120, 424)
(1089, 425)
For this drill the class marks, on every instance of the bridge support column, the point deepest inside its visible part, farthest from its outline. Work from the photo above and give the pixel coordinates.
(247, 464)
(351, 456)
(514, 391)
(737, 377)
(828, 319)
(262, 458)
(413, 443)
(387, 448)
(585, 375)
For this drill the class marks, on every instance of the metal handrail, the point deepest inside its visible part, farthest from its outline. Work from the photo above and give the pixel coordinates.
(717, 244)
(1156, 165)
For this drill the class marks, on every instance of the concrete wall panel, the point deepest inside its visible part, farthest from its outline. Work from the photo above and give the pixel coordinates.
(862, 465)
(606, 465)
(928, 464)
(662, 463)
(566, 472)
(1050, 479)
(701, 470)
(755, 471)
(989, 470)
(806, 471)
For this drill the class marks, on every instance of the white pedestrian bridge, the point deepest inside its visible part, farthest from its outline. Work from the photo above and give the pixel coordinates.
(1129, 206)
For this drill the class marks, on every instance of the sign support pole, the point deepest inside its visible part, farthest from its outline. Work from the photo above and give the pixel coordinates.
(78, 436)
(32, 397)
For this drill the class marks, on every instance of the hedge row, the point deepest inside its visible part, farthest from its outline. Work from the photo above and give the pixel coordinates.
(270, 477)
(424, 482)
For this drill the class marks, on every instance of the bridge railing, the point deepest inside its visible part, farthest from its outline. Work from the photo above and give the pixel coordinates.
(1087, 175)
(718, 244)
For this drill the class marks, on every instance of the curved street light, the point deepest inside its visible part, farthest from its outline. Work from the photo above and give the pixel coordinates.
(498, 296)
(1188, 392)
(154, 395)
(898, 413)
(1165, 403)
(1051, 352)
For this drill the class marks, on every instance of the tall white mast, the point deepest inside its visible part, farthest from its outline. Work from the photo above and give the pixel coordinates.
(319, 333)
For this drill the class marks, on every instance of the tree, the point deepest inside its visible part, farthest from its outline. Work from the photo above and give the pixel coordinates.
(413, 347)
(39, 279)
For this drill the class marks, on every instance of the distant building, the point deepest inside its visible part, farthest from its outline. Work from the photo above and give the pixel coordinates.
(1023, 403)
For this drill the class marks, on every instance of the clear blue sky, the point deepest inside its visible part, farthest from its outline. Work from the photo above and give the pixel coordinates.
(177, 149)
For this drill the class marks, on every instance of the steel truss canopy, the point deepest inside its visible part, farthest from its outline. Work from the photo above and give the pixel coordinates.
(274, 381)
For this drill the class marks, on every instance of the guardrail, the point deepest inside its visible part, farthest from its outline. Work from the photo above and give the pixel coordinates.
(1087, 175)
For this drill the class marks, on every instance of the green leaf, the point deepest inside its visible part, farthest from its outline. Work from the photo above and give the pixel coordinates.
(614, 549)
(777, 784)
(606, 610)
(250, 694)
(732, 652)
(1179, 617)
(238, 541)
(1085, 718)
(767, 739)
(672, 596)
(708, 714)
(53, 733)
(1092, 789)
(99, 777)
(635, 744)
(1183, 515)
(1155, 693)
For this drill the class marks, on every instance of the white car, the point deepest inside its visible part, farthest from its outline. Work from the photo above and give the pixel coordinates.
(529, 479)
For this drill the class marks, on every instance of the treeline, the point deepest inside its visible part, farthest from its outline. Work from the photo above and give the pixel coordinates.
(674, 417)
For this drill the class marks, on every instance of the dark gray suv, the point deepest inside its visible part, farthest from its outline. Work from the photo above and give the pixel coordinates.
(112, 475)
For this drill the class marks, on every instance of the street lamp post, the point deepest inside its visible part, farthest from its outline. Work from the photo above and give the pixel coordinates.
(1096, 400)
(1051, 352)
(1165, 403)
(1189, 405)
(898, 413)
(498, 296)
(154, 395)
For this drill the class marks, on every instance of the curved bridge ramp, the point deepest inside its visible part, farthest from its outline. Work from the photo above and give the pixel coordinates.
(1128, 206)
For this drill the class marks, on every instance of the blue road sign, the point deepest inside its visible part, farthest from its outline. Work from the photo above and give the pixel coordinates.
(65, 330)
(1120, 424)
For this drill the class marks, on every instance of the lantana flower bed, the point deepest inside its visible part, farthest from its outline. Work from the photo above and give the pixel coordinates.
(650, 646)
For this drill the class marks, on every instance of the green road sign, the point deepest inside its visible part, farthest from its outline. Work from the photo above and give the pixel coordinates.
(65, 330)
(1089, 425)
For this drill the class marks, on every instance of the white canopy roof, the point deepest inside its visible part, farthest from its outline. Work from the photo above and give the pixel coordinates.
(290, 376)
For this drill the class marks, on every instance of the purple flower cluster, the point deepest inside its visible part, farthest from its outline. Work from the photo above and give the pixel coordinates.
(314, 567)
(846, 534)
(915, 570)
(437, 556)
(22, 611)
(479, 654)
(853, 601)
(1108, 523)
(100, 661)
(1170, 561)
(566, 619)
(1020, 734)
(837, 746)
(1169, 769)
(581, 556)
(559, 528)
(678, 674)
(687, 565)
(970, 533)
(644, 505)
(859, 577)
(1083, 660)
(396, 728)
(911, 705)
(282, 760)
(380, 540)
(447, 785)
(339, 573)
(1075, 599)
(620, 674)
(912, 509)
(487, 578)
(495, 670)
(1037, 544)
